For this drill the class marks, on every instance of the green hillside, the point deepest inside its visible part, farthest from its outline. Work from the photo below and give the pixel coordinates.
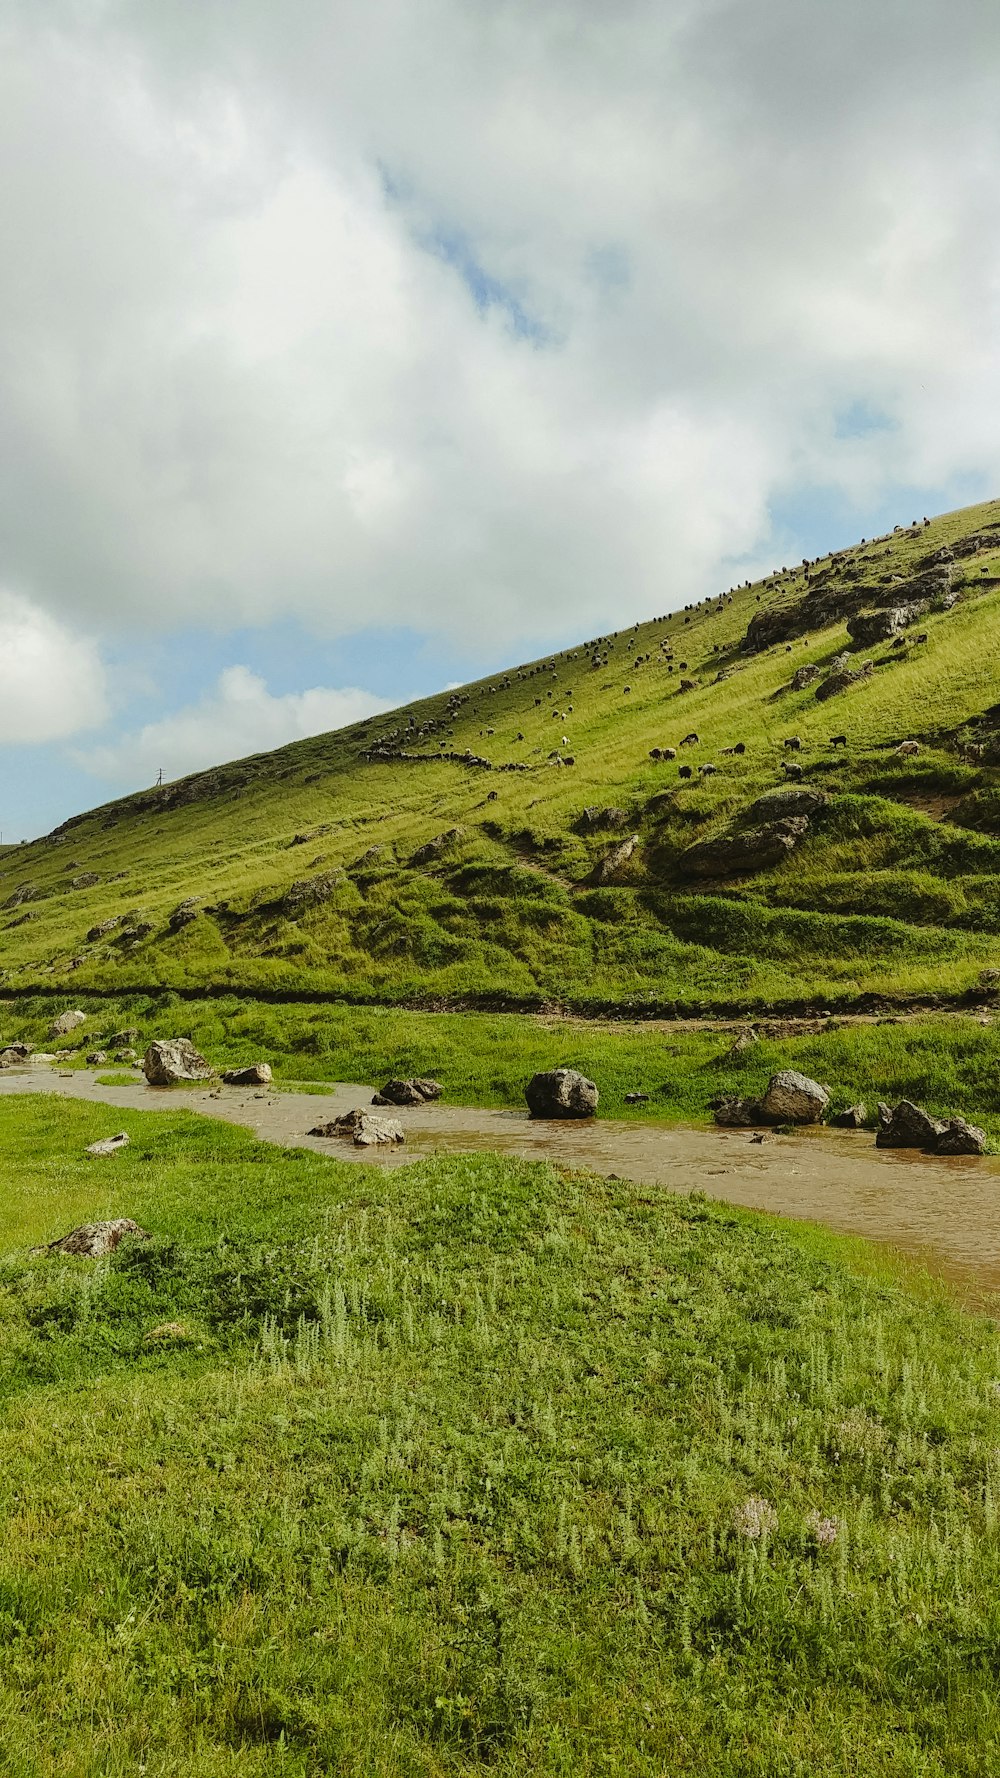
(382, 863)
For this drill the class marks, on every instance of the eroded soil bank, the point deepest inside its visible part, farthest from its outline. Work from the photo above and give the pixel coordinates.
(946, 1212)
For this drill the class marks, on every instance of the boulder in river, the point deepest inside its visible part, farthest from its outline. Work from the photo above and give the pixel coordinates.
(174, 1059)
(907, 1126)
(110, 1144)
(561, 1092)
(93, 1240)
(416, 1091)
(739, 1114)
(958, 1137)
(363, 1129)
(65, 1023)
(255, 1074)
(14, 1054)
(793, 1098)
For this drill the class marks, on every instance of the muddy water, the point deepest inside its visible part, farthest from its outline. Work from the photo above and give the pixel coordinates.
(945, 1212)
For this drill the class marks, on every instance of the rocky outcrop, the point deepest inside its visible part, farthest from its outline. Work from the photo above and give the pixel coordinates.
(776, 805)
(309, 892)
(93, 1240)
(609, 820)
(793, 1098)
(174, 1059)
(86, 880)
(417, 1091)
(614, 860)
(65, 1023)
(561, 1092)
(842, 680)
(364, 1130)
(255, 1074)
(804, 676)
(435, 848)
(737, 1113)
(748, 850)
(183, 914)
(102, 928)
(869, 627)
(110, 1144)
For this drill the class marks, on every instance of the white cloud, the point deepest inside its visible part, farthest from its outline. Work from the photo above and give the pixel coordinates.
(244, 372)
(51, 681)
(238, 717)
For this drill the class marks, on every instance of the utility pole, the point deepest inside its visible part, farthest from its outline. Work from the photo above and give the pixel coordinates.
(159, 778)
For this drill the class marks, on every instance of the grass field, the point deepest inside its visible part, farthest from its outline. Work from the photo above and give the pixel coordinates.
(301, 871)
(476, 1467)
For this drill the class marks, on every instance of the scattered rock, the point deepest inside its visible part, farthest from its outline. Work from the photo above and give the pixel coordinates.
(364, 1130)
(742, 853)
(869, 627)
(797, 799)
(110, 1144)
(854, 1118)
(958, 1137)
(804, 676)
(120, 1038)
(735, 1113)
(65, 1023)
(85, 880)
(907, 1126)
(842, 681)
(14, 1054)
(102, 928)
(183, 914)
(174, 1059)
(309, 892)
(416, 1091)
(93, 1240)
(561, 1092)
(792, 1098)
(442, 842)
(255, 1074)
(637, 1098)
(96, 1058)
(744, 1041)
(614, 860)
(611, 820)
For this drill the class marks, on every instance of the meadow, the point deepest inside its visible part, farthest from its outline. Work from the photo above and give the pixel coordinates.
(476, 1467)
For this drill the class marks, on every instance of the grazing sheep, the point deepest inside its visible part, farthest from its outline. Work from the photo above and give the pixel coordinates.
(684, 771)
(655, 753)
(907, 749)
(793, 744)
(791, 771)
(923, 637)
(668, 753)
(838, 740)
(740, 747)
(627, 688)
(690, 740)
(492, 796)
(707, 771)
(727, 752)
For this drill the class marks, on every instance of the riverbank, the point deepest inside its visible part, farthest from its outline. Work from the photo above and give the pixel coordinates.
(943, 1212)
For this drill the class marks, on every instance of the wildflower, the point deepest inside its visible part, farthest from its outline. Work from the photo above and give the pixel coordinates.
(755, 1518)
(824, 1529)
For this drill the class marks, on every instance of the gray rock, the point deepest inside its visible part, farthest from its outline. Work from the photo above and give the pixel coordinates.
(561, 1092)
(119, 1038)
(14, 1054)
(435, 848)
(854, 1118)
(869, 627)
(740, 854)
(93, 1240)
(958, 1137)
(363, 1129)
(796, 800)
(102, 928)
(65, 1023)
(736, 1113)
(907, 1126)
(174, 1059)
(793, 1098)
(96, 1058)
(842, 681)
(804, 676)
(417, 1091)
(85, 880)
(256, 1074)
(110, 1144)
(614, 860)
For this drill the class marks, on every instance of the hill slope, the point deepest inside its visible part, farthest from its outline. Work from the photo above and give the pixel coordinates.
(445, 854)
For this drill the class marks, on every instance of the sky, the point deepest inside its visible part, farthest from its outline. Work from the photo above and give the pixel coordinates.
(350, 349)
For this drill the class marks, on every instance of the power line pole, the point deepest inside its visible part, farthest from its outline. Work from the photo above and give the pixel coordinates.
(159, 779)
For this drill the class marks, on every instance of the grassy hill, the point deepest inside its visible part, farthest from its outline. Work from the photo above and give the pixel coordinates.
(464, 852)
